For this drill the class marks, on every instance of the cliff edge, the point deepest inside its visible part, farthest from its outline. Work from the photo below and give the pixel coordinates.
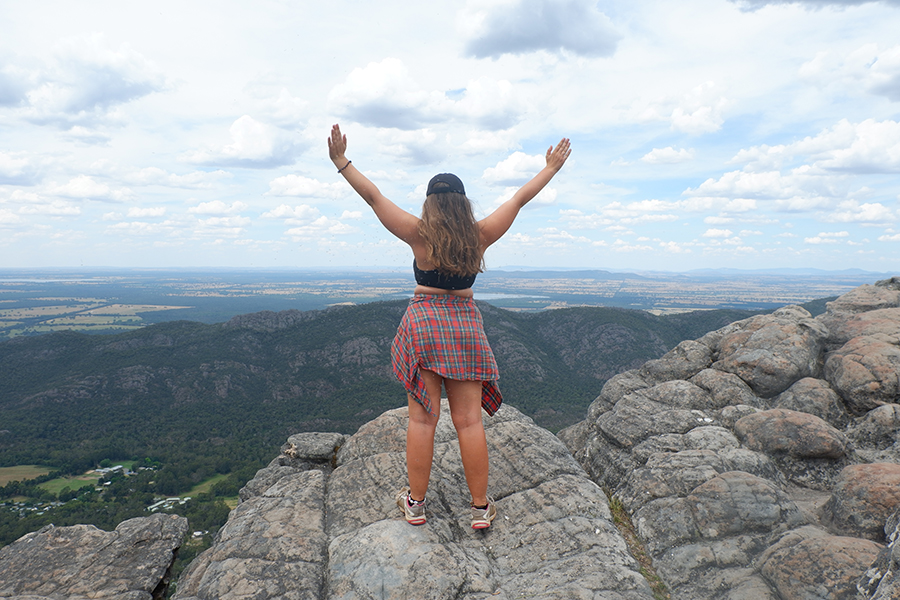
(762, 461)
(319, 523)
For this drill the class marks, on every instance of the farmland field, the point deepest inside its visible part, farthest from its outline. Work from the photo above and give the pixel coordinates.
(73, 483)
(22, 473)
(205, 486)
(79, 481)
(40, 301)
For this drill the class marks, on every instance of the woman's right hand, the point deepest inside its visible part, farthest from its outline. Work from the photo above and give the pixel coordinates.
(556, 157)
(337, 145)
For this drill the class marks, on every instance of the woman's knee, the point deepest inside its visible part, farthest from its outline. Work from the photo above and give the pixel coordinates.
(418, 416)
(465, 403)
(464, 417)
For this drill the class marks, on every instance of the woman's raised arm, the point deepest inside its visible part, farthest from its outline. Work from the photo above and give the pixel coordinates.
(497, 223)
(396, 220)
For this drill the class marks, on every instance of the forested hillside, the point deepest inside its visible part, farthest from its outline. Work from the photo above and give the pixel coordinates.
(238, 389)
(209, 404)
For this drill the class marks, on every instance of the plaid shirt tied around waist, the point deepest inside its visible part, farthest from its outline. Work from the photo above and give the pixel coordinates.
(445, 334)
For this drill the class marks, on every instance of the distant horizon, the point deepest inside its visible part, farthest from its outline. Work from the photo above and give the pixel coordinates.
(505, 268)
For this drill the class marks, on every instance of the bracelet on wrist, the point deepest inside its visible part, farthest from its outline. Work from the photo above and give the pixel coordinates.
(345, 166)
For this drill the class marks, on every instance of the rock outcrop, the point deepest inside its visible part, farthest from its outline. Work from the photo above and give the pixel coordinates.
(758, 462)
(82, 562)
(762, 461)
(317, 525)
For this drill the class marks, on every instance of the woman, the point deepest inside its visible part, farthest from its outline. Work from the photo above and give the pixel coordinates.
(441, 337)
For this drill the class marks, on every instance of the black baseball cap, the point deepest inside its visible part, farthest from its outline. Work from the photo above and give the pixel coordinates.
(455, 183)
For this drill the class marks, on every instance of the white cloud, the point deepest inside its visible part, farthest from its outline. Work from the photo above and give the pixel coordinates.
(421, 147)
(852, 212)
(739, 205)
(57, 208)
(384, 94)
(309, 223)
(143, 228)
(818, 131)
(85, 187)
(217, 207)
(718, 233)
(752, 5)
(86, 81)
(546, 237)
(136, 212)
(497, 27)
(545, 197)
(874, 148)
(490, 104)
(193, 180)
(13, 84)
(699, 111)
(8, 217)
(890, 238)
(623, 246)
(518, 168)
(301, 213)
(230, 223)
(867, 147)
(617, 213)
(674, 248)
(17, 168)
(821, 180)
(95, 136)
(826, 237)
(668, 156)
(482, 142)
(276, 102)
(297, 185)
(319, 227)
(253, 145)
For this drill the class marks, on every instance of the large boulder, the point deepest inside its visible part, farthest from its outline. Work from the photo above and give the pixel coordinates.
(309, 533)
(771, 352)
(799, 434)
(809, 563)
(765, 468)
(866, 372)
(815, 397)
(864, 497)
(83, 562)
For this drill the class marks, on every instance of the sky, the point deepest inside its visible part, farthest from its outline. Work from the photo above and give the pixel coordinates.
(749, 134)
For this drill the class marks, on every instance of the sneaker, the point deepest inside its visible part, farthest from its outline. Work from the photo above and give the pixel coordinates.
(413, 511)
(482, 517)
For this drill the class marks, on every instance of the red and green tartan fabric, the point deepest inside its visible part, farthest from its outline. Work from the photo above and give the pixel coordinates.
(445, 334)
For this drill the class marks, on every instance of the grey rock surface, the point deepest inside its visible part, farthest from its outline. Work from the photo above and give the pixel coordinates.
(882, 580)
(761, 461)
(82, 562)
(302, 532)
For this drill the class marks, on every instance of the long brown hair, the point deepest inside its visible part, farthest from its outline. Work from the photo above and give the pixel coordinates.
(450, 232)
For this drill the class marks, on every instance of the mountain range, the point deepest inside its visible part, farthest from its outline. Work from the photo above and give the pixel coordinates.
(243, 386)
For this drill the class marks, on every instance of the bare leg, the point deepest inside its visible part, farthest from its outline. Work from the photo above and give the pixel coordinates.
(420, 436)
(465, 410)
